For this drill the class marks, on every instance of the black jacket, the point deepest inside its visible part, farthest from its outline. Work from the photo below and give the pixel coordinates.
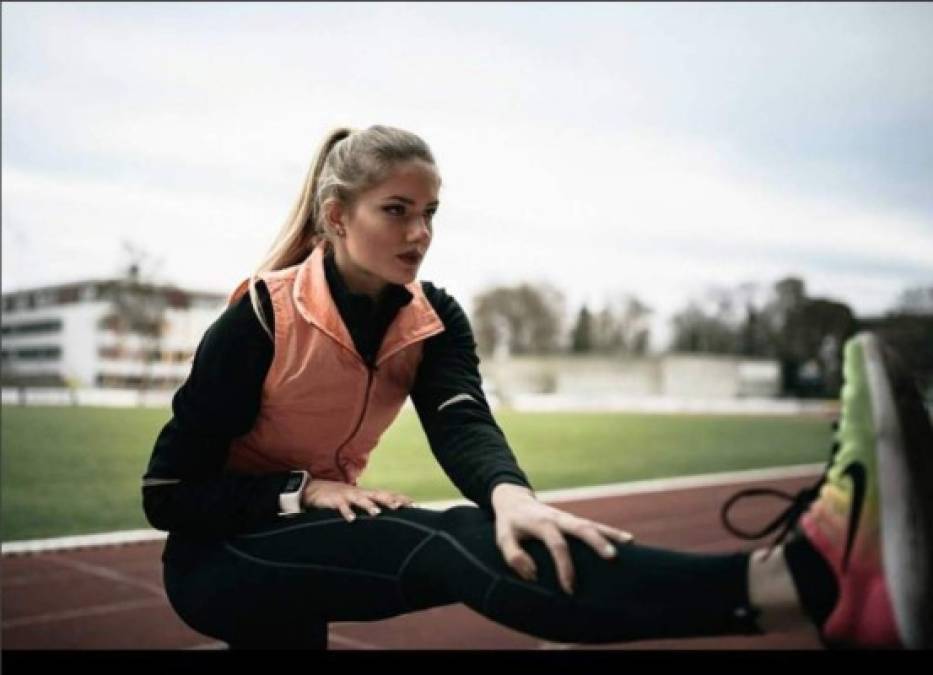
(186, 488)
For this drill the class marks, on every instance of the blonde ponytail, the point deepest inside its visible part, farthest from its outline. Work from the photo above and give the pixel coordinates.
(301, 231)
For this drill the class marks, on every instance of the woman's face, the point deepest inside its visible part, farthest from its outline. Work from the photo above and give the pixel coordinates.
(386, 234)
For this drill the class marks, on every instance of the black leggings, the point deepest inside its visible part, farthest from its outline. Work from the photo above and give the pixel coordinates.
(279, 585)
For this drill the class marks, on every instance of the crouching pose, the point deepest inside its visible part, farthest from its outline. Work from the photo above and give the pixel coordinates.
(270, 538)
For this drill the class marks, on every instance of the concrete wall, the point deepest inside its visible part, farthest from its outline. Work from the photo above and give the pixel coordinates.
(673, 375)
(657, 383)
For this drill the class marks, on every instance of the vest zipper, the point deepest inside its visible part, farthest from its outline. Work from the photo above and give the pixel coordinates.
(370, 375)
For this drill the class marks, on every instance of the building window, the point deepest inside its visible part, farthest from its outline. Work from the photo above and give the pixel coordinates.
(110, 352)
(67, 295)
(136, 381)
(177, 299)
(36, 353)
(105, 291)
(34, 380)
(45, 298)
(150, 356)
(33, 328)
(110, 322)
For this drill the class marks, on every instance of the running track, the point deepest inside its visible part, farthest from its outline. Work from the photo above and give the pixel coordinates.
(111, 597)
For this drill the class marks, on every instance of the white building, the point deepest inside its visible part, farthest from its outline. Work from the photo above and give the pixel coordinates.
(75, 335)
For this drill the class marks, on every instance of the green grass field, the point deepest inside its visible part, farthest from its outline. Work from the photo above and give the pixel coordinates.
(78, 470)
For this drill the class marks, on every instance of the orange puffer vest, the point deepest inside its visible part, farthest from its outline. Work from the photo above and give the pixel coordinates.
(322, 408)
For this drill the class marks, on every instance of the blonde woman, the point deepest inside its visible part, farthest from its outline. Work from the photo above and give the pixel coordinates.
(270, 536)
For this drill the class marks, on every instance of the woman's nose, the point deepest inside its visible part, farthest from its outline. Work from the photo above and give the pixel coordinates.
(422, 228)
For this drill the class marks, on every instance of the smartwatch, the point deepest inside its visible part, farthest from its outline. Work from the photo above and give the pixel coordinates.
(290, 497)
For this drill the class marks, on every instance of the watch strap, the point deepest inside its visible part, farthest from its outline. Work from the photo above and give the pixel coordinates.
(290, 499)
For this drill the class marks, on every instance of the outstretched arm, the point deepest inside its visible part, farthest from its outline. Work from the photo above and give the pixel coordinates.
(449, 400)
(474, 453)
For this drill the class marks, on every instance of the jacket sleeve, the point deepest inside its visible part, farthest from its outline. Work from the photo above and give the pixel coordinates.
(449, 400)
(186, 488)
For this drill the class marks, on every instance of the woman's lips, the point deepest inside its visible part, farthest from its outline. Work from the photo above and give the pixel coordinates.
(411, 259)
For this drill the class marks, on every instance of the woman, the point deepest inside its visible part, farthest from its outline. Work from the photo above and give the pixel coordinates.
(255, 476)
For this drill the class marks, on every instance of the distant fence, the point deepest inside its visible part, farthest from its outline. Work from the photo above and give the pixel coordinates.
(673, 405)
(526, 402)
(116, 398)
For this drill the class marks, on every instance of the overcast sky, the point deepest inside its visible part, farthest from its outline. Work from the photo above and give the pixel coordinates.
(653, 149)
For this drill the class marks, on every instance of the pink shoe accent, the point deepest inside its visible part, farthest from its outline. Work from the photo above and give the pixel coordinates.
(863, 615)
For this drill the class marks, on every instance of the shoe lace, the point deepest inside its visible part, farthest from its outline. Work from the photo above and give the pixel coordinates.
(787, 519)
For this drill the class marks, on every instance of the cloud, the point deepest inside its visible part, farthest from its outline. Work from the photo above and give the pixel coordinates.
(601, 147)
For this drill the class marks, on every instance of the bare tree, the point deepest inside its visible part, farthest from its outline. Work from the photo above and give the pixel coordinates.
(581, 337)
(696, 329)
(916, 300)
(712, 322)
(138, 309)
(527, 318)
(634, 324)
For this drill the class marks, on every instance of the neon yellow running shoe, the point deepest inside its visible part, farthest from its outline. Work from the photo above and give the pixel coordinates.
(862, 551)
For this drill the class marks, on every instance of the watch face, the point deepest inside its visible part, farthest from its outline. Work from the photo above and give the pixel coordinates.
(294, 482)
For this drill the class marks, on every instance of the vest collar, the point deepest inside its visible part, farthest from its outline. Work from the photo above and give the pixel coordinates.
(416, 321)
(392, 298)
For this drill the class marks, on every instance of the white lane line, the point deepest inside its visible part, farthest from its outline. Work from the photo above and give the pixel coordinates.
(572, 494)
(682, 483)
(333, 638)
(83, 612)
(662, 485)
(108, 573)
(81, 541)
(30, 579)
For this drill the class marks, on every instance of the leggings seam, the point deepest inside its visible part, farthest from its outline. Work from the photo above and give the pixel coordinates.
(300, 526)
(417, 526)
(495, 582)
(495, 575)
(401, 569)
(332, 521)
(273, 563)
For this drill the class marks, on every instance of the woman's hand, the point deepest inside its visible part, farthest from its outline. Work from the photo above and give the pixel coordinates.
(520, 515)
(330, 494)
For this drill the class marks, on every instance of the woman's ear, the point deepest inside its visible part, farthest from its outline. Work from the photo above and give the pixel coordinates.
(333, 217)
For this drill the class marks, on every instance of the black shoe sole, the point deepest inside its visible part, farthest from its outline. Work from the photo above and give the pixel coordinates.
(905, 484)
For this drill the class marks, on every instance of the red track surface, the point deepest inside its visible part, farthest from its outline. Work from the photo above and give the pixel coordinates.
(112, 597)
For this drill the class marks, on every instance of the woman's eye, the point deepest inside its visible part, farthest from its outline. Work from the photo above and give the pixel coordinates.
(395, 209)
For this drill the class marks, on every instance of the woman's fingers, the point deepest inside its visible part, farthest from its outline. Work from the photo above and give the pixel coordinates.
(344, 508)
(391, 499)
(599, 537)
(384, 498)
(591, 535)
(365, 502)
(557, 545)
(616, 534)
(516, 558)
